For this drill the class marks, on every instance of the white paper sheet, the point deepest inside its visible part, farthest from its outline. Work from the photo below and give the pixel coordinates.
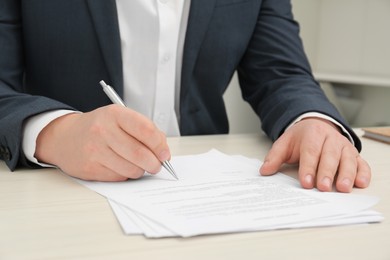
(218, 193)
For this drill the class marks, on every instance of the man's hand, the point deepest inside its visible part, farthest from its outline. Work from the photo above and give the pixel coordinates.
(324, 155)
(112, 143)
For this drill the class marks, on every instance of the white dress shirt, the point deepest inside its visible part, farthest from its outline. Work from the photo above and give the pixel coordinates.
(152, 40)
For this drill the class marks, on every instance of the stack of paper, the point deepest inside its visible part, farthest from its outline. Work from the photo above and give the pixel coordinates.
(218, 193)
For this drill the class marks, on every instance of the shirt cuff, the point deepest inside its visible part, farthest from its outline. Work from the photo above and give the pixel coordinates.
(31, 129)
(319, 115)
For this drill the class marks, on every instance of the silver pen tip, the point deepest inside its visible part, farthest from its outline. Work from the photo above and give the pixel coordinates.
(167, 165)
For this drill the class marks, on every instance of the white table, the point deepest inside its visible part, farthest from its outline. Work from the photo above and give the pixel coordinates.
(46, 215)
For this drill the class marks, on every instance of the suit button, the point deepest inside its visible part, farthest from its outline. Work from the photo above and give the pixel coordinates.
(5, 154)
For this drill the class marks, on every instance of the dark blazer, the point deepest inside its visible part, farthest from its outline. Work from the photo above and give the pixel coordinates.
(53, 53)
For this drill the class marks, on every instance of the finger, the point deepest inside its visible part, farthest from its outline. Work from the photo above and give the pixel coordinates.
(310, 152)
(363, 176)
(103, 164)
(135, 153)
(328, 165)
(121, 166)
(347, 169)
(98, 172)
(279, 153)
(145, 132)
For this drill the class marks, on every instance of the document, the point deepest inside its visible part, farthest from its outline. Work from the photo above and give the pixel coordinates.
(219, 193)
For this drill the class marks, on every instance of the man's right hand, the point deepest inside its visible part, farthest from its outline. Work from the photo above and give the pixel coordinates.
(112, 143)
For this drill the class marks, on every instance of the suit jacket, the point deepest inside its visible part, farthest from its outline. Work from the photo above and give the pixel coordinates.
(53, 53)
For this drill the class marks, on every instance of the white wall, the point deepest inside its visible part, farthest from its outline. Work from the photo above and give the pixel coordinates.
(354, 40)
(354, 37)
(306, 13)
(242, 119)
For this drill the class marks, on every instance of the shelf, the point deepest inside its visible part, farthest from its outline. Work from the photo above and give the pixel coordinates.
(352, 79)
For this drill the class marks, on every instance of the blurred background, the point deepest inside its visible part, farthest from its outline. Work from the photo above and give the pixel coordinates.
(348, 45)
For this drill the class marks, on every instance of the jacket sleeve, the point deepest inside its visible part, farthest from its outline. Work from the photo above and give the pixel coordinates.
(15, 104)
(275, 75)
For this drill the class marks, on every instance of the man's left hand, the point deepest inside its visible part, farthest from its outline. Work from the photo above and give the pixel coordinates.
(325, 157)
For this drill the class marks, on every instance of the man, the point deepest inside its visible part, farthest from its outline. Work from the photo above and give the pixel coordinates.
(171, 60)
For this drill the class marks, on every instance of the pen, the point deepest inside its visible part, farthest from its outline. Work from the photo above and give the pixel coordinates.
(116, 99)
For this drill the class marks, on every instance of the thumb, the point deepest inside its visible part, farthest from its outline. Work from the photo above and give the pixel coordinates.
(277, 155)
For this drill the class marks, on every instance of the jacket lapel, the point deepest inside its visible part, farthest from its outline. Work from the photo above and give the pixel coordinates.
(105, 18)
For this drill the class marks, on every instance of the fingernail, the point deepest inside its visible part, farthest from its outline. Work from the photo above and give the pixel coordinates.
(363, 181)
(347, 182)
(309, 179)
(264, 163)
(263, 168)
(164, 155)
(327, 182)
